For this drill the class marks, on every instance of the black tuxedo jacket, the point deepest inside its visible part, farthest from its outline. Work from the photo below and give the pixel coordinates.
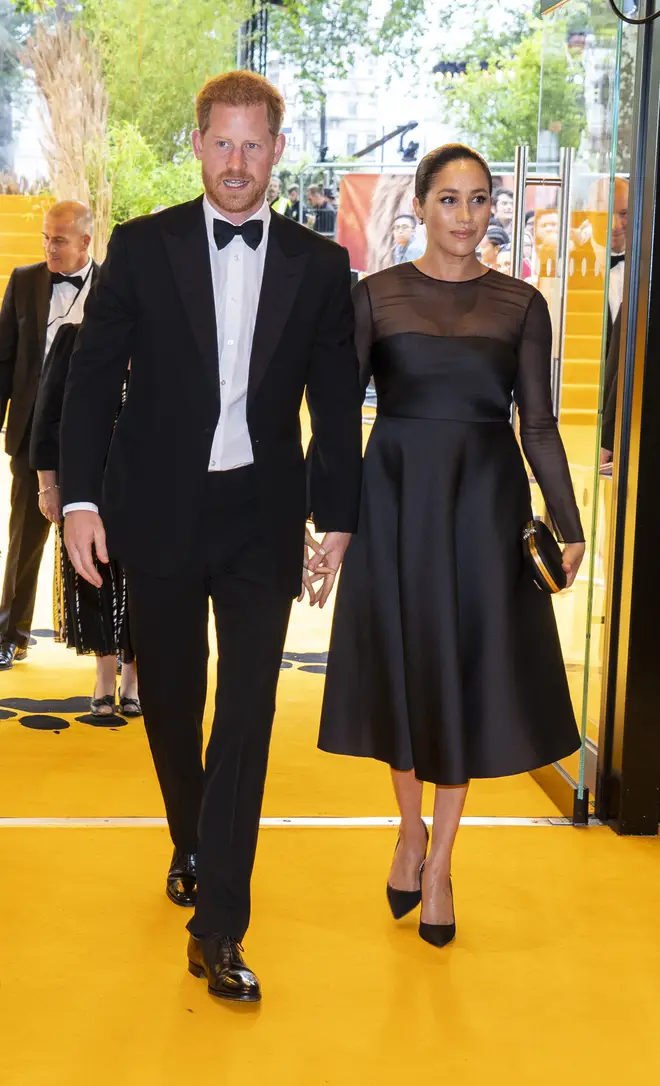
(153, 304)
(23, 321)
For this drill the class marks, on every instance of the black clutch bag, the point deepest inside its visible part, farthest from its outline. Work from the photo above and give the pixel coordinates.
(543, 555)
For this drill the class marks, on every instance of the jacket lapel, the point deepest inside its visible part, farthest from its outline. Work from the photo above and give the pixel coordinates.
(283, 272)
(42, 302)
(187, 246)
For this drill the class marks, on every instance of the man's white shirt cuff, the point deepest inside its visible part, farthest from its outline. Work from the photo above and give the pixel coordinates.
(76, 506)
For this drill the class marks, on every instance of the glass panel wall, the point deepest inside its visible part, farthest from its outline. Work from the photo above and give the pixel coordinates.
(585, 49)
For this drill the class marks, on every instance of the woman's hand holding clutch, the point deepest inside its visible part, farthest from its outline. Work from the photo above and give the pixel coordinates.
(572, 560)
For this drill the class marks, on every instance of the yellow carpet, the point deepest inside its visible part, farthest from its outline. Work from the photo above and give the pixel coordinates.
(555, 974)
(94, 989)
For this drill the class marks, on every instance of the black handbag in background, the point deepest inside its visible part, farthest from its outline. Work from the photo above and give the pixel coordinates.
(544, 557)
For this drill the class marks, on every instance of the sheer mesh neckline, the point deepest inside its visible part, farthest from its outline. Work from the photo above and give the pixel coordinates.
(451, 282)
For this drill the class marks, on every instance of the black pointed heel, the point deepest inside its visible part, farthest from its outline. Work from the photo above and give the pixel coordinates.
(439, 934)
(402, 902)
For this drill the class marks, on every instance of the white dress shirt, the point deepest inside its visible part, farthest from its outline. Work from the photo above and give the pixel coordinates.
(67, 304)
(237, 272)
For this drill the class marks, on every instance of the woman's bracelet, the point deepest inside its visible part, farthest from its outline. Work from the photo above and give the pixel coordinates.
(47, 488)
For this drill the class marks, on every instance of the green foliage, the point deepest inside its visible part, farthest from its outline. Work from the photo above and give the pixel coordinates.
(322, 38)
(140, 182)
(156, 55)
(499, 108)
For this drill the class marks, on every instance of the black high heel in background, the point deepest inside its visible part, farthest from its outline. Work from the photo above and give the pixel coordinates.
(439, 934)
(402, 902)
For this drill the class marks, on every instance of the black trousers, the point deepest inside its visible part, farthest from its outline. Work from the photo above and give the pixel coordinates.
(214, 810)
(28, 532)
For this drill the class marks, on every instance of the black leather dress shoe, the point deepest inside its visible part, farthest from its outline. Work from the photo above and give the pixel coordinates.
(219, 959)
(182, 879)
(10, 654)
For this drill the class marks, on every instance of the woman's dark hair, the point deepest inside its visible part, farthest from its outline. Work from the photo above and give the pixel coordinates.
(436, 160)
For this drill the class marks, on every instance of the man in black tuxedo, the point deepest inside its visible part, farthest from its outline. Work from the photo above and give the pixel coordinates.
(38, 299)
(228, 314)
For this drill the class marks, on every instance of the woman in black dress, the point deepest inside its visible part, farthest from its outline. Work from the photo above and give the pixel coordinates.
(93, 621)
(445, 660)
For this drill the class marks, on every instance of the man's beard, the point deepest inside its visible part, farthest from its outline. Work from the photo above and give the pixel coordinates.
(233, 202)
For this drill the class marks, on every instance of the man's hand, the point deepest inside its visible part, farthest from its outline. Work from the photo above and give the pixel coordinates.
(326, 562)
(83, 530)
(606, 457)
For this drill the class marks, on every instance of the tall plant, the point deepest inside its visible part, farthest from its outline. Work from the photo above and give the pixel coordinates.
(68, 75)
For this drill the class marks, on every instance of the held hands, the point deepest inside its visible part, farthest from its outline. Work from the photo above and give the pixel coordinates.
(323, 565)
(83, 530)
(572, 560)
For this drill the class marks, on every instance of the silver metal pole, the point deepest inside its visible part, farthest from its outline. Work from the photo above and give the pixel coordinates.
(563, 268)
(518, 221)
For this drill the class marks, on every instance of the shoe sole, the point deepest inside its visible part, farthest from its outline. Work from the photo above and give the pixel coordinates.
(199, 972)
(181, 904)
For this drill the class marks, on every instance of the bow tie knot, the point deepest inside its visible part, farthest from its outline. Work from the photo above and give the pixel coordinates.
(616, 258)
(76, 281)
(251, 231)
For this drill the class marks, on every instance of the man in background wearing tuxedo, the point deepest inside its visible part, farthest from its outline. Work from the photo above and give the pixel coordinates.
(39, 298)
(229, 314)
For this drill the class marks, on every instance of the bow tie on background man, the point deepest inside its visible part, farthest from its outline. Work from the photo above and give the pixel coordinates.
(616, 258)
(76, 281)
(251, 231)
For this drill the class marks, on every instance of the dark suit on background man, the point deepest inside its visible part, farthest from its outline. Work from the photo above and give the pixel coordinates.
(23, 330)
(184, 532)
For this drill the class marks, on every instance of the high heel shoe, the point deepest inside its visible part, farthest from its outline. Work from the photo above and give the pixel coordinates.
(402, 902)
(439, 934)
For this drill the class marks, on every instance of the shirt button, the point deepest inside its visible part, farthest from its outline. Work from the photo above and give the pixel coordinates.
(230, 343)
(213, 463)
(223, 382)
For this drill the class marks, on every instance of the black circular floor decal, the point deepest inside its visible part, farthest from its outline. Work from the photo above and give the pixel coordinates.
(306, 657)
(44, 723)
(110, 721)
(43, 633)
(46, 705)
(6, 715)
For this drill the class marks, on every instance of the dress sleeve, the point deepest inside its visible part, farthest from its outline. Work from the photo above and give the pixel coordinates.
(363, 331)
(539, 433)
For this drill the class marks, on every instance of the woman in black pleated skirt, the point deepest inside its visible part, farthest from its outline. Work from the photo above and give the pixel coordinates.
(93, 621)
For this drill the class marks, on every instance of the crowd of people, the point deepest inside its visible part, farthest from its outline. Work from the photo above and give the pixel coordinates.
(319, 211)
(153, 416)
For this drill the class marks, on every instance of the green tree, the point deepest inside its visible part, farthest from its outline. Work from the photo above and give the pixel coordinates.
(323, 38)
(157, 54)
(14, 27)
(141, 183)
(498, 107)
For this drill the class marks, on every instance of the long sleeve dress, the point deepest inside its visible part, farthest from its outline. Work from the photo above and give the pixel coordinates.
(445, 656)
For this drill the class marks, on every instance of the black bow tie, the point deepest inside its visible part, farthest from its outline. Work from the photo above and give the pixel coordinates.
(616, 258)
(251, 231)
(76, 281)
